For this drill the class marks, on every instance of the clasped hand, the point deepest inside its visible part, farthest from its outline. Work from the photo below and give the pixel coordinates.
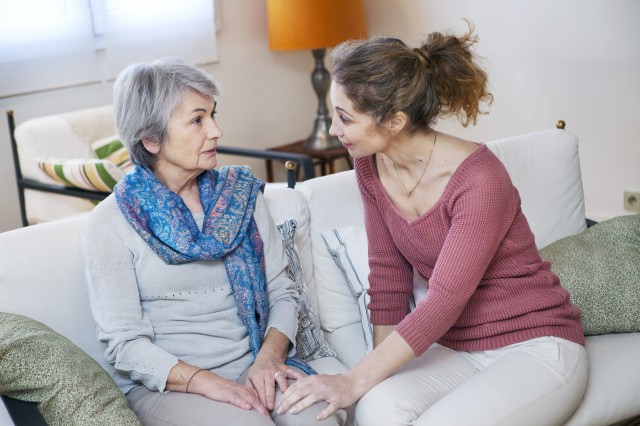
(263, 377)
(337, 391)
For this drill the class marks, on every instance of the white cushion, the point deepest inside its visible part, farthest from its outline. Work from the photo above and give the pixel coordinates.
(334, 202)
(614, 381)
(333, 303)
(286, 203)
(42, 277)
(349, 343)
(43, 207)
(346, 250)
(545, 168)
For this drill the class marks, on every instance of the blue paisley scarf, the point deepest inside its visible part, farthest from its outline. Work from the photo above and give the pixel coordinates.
(229, 232)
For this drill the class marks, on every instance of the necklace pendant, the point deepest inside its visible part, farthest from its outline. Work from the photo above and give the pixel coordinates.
(409, 193)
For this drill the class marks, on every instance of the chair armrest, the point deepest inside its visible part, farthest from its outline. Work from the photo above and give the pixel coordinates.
(27, 183)
(302, 160)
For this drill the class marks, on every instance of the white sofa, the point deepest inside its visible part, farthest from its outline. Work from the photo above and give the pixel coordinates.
(42, 271)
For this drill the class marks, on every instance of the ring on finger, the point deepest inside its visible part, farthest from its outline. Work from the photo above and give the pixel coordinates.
(275, 375)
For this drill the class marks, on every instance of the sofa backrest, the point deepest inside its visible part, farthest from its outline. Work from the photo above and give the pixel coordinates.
(544, 167)
(42, 266)
(42, 277)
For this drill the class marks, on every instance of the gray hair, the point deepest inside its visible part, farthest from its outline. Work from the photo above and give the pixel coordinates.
(145, 95)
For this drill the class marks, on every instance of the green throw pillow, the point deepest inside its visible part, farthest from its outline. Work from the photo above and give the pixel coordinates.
(39, 365)
(110, 148)
(600, 268)
(91, 174)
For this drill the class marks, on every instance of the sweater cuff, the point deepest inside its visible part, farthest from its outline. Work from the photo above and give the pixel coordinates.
(281, 319)
(387, 317)
(412, 336)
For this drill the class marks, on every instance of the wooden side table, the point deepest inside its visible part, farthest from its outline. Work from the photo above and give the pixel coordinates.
(324, 158)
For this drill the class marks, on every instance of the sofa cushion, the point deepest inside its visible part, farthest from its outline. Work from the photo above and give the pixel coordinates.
(310, 341)
(601, 269)
(334, 201)
(53, 289)
(348, 273)
(91, 174)
(39, 365)
(545, 168)
(614, 380)
(285, 203)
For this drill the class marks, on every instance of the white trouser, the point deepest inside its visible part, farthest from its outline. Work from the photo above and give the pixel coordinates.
(537, 382)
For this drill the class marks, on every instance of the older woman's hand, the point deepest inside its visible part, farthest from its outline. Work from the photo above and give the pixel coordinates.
(214, 387)
(337, 391)
(269, 368)
(263, 376)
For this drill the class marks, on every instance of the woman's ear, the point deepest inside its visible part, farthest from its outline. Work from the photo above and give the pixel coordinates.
(397, 122)
(151, 145)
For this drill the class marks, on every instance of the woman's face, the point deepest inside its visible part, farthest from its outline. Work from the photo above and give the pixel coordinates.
(357, 131)
(192, 137)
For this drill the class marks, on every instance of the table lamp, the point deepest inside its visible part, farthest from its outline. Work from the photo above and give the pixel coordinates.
(316, 25)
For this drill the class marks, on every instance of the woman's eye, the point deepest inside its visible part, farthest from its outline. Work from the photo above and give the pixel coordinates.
(343, 119)
(198, 120)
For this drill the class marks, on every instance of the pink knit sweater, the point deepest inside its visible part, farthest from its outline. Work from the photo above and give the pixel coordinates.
(488, 286)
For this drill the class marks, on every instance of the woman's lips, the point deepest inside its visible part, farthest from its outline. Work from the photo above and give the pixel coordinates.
(211, 151)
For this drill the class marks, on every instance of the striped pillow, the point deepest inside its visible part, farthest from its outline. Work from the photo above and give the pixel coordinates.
(110, 148)
(91, 174)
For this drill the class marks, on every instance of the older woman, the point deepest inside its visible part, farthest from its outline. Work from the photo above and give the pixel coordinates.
(186, 272)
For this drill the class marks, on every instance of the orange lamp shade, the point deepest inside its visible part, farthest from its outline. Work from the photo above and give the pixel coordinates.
(314, 24)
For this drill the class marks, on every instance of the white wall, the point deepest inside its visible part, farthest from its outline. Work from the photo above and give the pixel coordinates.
(547, 59)
(576, 60)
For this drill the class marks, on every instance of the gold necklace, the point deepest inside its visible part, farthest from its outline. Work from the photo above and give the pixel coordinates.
(410, 191)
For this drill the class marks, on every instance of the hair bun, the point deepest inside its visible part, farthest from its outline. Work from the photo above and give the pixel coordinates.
(423, 55)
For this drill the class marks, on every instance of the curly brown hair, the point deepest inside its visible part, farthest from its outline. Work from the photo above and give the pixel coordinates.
(383, 76)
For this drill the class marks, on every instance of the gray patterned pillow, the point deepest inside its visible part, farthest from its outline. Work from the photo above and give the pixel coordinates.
(39, 365)
(600, 268)
(310, 341)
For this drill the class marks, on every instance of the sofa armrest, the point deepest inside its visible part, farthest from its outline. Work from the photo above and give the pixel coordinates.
(302, 160)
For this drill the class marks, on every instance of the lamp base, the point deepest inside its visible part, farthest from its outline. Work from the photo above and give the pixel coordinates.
(320, 138)
(321, 80)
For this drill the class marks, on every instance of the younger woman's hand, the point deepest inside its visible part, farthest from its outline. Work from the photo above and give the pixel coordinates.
(337, 391)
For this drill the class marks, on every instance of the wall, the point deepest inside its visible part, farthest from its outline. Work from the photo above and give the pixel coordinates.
(576, 60)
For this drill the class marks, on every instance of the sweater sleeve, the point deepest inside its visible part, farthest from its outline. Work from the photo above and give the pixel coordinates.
(391, 275)
(481, 204)
(115, 301)
(283, 297)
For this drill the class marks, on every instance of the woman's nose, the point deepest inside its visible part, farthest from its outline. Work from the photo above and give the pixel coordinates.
(214, 130)
(333, 130)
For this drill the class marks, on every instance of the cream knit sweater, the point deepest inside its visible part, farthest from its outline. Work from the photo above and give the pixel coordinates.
(152, 314)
